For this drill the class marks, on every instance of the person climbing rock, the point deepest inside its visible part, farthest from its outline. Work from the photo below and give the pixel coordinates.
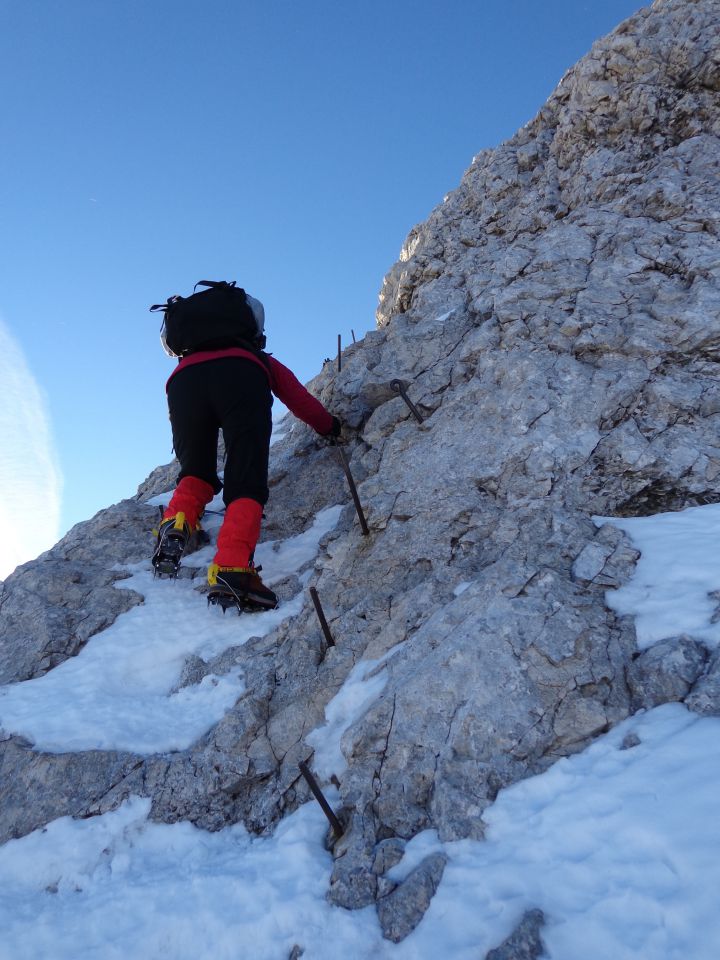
(225, 381)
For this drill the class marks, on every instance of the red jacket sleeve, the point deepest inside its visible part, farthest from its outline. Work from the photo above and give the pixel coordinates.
(287, 387)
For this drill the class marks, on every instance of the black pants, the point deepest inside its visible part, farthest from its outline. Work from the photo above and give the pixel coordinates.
(233, 395)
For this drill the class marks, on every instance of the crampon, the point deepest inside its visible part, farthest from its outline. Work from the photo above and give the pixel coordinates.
(240, 588)
(229, 601)
(175, 539)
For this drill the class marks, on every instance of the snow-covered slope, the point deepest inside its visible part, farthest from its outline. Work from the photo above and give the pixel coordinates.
(131, 688)
(555, 322)
(617, 846)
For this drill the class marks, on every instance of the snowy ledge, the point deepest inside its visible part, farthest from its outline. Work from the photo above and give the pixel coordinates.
(119, 692)
(618, 848)
(674, 588)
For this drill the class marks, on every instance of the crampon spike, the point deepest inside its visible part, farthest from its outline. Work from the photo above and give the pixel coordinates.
(166, 568)
(227, 600)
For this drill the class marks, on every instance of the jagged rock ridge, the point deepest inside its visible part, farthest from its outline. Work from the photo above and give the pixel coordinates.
(556, 321)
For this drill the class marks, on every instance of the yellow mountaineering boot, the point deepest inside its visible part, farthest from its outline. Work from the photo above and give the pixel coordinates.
(173, 537)
(240, 587)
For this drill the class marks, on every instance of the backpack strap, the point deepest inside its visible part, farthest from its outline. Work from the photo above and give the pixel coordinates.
(164, 306)
(214, 284)
(225, 343)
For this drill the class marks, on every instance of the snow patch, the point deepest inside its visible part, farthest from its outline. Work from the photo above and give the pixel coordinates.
(617, 846)
(119, 886)
(346, 707)
(670, 591)
(462, 587)
(116, 694)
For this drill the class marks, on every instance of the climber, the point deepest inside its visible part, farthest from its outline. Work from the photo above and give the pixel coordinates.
(224, 381)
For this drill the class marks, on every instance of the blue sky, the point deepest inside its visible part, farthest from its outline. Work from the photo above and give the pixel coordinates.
(290, 146)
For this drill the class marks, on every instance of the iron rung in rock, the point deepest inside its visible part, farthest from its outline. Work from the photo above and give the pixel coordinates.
(321, 617)
(399, 387)
(319, 796)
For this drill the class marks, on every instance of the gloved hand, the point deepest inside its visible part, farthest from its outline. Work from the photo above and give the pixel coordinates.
(336, 428)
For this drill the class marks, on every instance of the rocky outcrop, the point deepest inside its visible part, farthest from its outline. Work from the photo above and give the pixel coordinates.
(525, 942)
(51, 607)
(557, 318)
(666, 672)
(400, 912)
(556, 323)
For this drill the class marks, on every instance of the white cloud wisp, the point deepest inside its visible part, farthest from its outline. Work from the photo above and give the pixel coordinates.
(30, 478)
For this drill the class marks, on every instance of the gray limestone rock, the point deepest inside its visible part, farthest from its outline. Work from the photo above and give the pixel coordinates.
(36, 788)
(630, 740)
(354, 882)
(704, 697)
(387, 854)
(591, 561)
(50, 608)
(403, 909)
(525, 942)
(666, 671)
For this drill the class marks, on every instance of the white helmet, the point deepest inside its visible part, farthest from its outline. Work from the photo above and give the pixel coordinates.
(258, 311)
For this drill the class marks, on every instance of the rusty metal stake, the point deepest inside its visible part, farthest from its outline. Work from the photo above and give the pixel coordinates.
(321, 617)
(339, 353)
(326, 808)
(353, 491)
(399, 387)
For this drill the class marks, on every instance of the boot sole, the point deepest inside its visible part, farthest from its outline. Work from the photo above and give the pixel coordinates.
(243, 603)
(165, 567)
(166, 560)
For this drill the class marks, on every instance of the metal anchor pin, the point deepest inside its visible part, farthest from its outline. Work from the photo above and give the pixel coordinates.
(399, 387)
(319, 796)
(321, 617)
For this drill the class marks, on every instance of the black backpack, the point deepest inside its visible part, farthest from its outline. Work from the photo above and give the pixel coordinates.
(211, 319)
